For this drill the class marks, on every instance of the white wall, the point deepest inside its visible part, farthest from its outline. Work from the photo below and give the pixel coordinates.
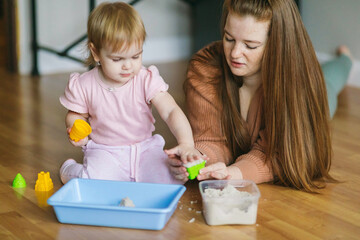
(331, 23)
(24, 31)
(60, 22)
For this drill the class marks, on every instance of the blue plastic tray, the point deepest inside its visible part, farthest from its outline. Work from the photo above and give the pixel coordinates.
(96, 202)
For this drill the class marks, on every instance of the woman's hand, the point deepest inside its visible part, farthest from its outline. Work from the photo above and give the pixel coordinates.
(214, 171)
(80, 143)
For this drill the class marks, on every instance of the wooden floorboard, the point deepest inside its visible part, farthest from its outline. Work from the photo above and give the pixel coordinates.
(33, 139)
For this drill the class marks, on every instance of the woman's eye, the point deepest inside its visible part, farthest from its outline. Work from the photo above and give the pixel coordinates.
(229, 39)
(249, 47)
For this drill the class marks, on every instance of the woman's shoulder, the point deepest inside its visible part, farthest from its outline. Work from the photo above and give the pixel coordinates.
(206, 65)
(210, 51)
(208, 55)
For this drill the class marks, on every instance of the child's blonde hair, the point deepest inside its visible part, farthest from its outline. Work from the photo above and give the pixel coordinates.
(114, 25)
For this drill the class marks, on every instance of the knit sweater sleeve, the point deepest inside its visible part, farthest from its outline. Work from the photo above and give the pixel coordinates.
(253, 165)
(202, 107)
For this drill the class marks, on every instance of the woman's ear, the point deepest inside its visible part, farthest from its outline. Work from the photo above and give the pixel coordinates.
(94, 52)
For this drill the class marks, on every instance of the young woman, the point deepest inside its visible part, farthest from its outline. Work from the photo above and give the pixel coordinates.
(257, 100)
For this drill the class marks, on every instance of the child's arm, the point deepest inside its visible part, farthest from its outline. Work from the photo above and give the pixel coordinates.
(69, 121)
(178, 124)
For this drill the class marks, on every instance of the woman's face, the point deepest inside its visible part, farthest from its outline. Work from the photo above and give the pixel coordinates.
(244, 43)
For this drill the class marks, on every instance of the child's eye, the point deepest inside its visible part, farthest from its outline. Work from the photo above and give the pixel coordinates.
(116, 59)
(136, 57)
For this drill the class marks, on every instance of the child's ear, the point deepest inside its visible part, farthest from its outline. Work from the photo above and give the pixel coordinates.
(94, 52)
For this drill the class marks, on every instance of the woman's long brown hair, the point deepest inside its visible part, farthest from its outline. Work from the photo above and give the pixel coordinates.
(296, 113)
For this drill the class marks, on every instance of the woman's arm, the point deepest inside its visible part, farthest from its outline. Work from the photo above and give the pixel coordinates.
(203, 112)
(253, 164)
(210, 141)
(204, 116)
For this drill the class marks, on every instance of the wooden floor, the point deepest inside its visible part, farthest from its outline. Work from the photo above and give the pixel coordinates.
(33, 139)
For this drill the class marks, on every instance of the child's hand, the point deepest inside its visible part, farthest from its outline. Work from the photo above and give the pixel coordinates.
(176, 156)
(186, 153)
(80, 143)
(177, 169)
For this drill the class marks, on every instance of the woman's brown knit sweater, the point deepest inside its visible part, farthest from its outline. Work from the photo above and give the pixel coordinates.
(204, 113)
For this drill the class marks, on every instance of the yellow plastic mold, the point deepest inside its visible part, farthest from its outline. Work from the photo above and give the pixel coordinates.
(79, 130)
(44, 182)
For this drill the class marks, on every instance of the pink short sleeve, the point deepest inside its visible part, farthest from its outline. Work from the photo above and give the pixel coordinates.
(154, 84)
(74, 96)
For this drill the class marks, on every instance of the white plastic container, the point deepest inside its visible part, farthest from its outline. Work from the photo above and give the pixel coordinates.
(229, 201)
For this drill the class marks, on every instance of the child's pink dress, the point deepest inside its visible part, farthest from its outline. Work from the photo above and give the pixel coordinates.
(122, 146)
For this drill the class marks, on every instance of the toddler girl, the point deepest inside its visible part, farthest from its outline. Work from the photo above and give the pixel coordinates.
(116, 97)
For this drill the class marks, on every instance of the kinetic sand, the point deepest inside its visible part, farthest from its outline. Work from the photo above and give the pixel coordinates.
(229, 206)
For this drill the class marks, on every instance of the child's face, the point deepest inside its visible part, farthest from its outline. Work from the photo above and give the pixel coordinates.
(119, 67)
